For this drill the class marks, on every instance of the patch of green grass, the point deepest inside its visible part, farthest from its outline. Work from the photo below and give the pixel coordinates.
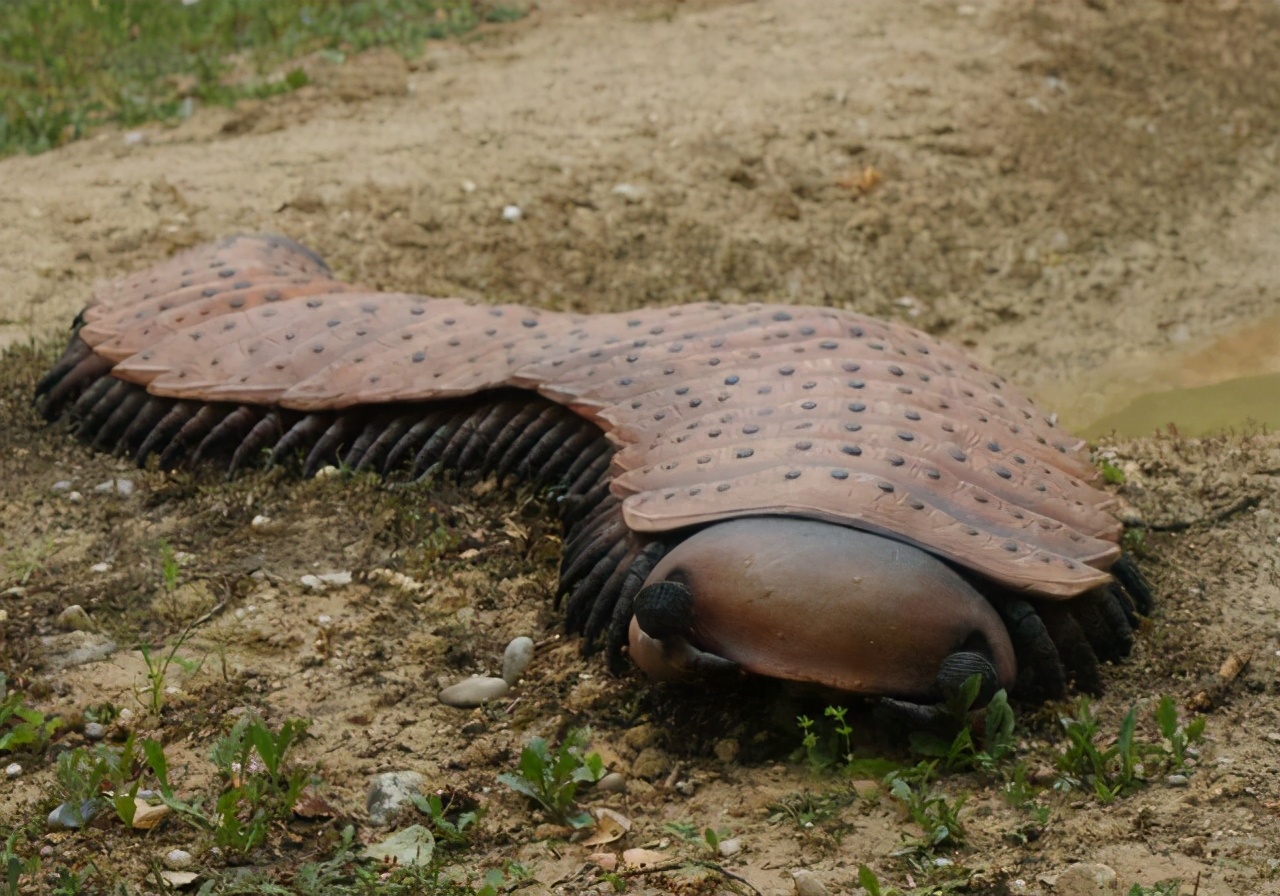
(1160, 888)
(451, 826)
(70, 65)
(551, 779)
(1127, 762)
(158, 670)
(21, 727)
(15, 868)
(806, 809)
(1111, 474)
(937, 816)
(263, 788)
(966, 751)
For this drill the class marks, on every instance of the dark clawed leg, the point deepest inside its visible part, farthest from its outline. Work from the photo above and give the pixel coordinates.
(663, 616)
(265, 433)
(664, 609)
(1038, 658)
(957, 668)
(1134, 583)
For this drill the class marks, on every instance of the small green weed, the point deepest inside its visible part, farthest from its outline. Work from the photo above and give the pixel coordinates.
(152, 696)
(169, 566)
(707, 839)
(1160, 888)
(1111, 474)
(251, 758)
(827, 744)
(15, 867)
(963, 752)
(72, 883)
(551, 780)
(450, 827)
(937, 817)
(22, 564)
(21, 727)
(1124, 766)
(868, 880)
(1180, 739)
(1109, 772)
(806, 809)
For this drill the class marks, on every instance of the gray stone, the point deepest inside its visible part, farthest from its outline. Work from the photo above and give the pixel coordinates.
(614, 782)
(74, 619)
(516, 658)
(651, 764)
(73, 816)
(62, 485)
(95, 730)
(122, 487)
(1085, 879)
(76, 649)
(178, 859)
(389, 792)
(474, 692)
(808, 884)
(730, 847)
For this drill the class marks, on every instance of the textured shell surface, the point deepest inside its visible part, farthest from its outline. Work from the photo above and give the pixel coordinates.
(719, 411)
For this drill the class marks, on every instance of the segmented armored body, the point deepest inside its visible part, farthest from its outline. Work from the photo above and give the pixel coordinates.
(799, 492)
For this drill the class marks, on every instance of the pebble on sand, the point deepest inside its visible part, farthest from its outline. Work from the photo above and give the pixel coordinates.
(389, 791)
(474, 692)
(516, 659)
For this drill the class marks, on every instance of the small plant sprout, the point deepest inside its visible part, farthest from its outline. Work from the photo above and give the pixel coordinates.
(21, 727)
(937, 817)
(1124, 766)
(965, 751)
(551, 779)
(451, 827)
(152, 695)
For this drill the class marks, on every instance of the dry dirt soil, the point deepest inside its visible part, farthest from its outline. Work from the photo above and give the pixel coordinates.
(1082, 193)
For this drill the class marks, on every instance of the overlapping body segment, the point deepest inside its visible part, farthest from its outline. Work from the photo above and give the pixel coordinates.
(692, 414)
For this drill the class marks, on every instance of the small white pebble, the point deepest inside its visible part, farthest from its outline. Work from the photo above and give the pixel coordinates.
(12, 770)
(327, 471)
(95, 730)
(178, 859)
(104, 566)
(512, 213)
(75, 497)
(62, 485)
(261, 521)
(629, 192)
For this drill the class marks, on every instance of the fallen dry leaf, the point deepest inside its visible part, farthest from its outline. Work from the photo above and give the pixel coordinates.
(610, 826)
(606, 860)
(643, 858)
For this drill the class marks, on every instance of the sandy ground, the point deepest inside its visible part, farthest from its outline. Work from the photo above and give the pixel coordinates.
(1084, 194)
